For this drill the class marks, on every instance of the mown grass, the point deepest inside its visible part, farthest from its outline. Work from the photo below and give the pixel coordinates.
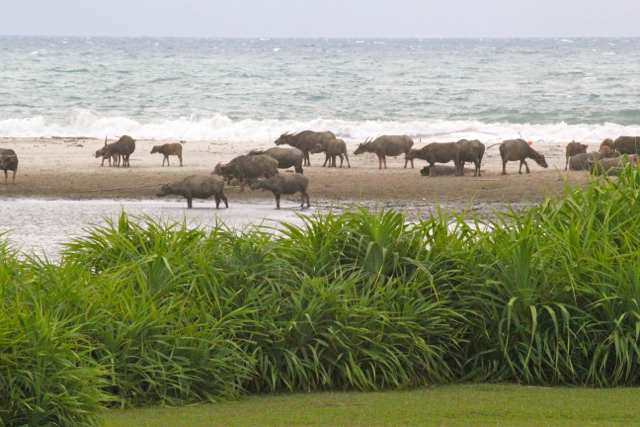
(143, 313)
(452, 405)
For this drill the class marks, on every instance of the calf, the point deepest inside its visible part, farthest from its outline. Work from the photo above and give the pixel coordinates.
(285, 184)
(333, 148)
(173, 149)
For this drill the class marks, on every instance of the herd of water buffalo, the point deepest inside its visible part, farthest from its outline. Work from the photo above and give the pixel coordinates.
(260, 167)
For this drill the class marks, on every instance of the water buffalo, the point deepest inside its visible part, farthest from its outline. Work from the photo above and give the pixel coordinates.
(173, 149)
(607, 152)
(387, 145)
(574, 148)
(286, 157)
(627, 144)
(123, 147)
(581, 161)
(115, 157)
(197, 187)
(608, 143)
(611, 166)
(8, 162)
(248, 167)
(471, 151)
(333, 148)
(304, 141)
(285, 184)
(519, 150)
(438, 152)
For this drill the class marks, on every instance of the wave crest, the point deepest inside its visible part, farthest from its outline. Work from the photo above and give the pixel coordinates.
(221, 128)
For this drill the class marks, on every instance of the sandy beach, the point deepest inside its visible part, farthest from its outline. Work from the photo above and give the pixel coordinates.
(65, 168)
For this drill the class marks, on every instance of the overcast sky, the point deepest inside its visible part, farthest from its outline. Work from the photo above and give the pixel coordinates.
(322, 18)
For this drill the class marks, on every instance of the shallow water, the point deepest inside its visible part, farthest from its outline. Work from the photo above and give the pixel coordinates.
(40, 226)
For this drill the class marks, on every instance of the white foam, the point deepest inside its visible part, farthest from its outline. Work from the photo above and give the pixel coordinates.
(221, 128)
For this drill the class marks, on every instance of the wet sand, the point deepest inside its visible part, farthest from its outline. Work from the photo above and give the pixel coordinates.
(65, 168)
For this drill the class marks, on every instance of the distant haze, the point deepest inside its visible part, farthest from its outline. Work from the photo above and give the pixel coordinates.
(321, 18)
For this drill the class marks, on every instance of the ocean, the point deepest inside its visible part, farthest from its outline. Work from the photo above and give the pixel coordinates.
(255, 89)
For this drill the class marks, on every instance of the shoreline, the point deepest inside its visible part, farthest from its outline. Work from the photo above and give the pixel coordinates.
(65, 168)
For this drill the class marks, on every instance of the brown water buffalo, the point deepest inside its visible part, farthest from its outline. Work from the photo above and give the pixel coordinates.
(286, 157)
(471, 151)
(438, 152)
(574, 148)
(172, 149)
(122, 147)
(248, 167)
(607, 152)
(285, 184)
(581, 161)
(611, 166)
(197, 187)
(387, 145)
(115, 157)
(518, 150)
(8, 162)
(627, 144)
(304, 141)
(608, 143)
(333, 148)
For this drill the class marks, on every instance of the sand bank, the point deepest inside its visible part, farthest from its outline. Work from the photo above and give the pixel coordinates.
(66, 168)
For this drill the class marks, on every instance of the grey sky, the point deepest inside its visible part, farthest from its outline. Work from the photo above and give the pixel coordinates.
(322, 18)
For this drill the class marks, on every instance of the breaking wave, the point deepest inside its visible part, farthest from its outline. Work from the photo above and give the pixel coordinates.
(221, 128)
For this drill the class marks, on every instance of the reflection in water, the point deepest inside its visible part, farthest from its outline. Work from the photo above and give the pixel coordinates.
(39, 226)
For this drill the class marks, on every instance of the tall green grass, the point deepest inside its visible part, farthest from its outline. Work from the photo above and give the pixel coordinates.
(140, 312)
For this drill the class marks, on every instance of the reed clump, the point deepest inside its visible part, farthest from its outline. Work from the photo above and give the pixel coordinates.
(139, 312)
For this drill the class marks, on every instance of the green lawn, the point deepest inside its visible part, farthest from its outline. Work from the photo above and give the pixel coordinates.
(458, 405)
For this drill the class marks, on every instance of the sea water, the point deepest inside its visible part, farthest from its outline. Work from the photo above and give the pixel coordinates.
(255, 89)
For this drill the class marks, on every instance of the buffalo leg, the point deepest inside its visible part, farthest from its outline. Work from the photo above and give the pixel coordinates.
(306, 159)
(347, 156)
(15, 171)
(224, 199)
(217, 197)
(384, 159)
(189, 202)
(341, 161)
(379, 161)
(477, 172)
(326, 159)
(566, 163)
(461, 171)
(277, 201)
(180, 157)
(526, 166)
